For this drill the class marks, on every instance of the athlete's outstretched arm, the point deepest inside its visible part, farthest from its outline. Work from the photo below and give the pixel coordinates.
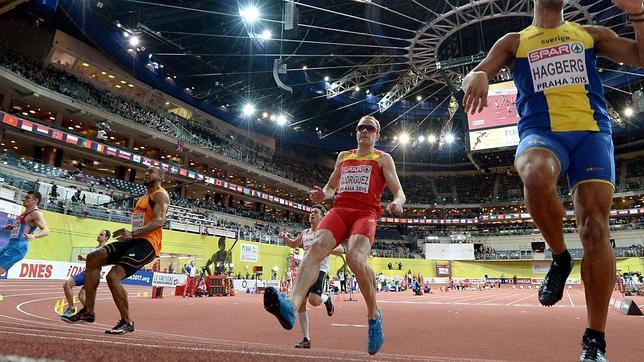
(476, 82)
(318, 194)
(291, 243)
(622, 50)
(39, 220)
(393, 183)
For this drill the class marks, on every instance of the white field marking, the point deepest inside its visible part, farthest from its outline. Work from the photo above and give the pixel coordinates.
(231, 342)
(472, 296)
(22, 290)
(14, 358)
(248, 353)
(501, 297)
(72, 329)
(569, 298)
(433, 297)
(349, 325)
(101, 327)
(166, 347)
(28, 294)
(475, 304)
(515, 295)
(518, 300)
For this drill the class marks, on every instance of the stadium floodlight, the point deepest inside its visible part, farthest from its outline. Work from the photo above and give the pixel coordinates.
(281, 120)
(249, 14)
(135, 41)
(431, 138)
(419, 98)
(404, 138)
(305, 67)
(357, 89)
(421, 139)
(264, 115)
(126, 34)
(326, 79)
(628, 111)
(449, 138)
(266, 35)
(248, 110)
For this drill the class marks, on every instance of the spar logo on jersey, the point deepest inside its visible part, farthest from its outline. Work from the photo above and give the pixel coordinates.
(577, 48)
(555, 51)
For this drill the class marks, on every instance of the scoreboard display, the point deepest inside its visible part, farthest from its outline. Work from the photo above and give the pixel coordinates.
(496, 126)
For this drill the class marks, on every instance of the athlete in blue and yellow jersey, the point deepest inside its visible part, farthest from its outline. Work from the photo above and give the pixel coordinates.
(22, 232)
(565, 129)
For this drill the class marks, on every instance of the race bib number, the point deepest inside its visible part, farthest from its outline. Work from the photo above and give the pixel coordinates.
(355, 179)
(137, 221)
(558, 66)
(15, 231)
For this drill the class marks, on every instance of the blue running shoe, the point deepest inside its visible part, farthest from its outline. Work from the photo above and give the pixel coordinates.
(281, 307)
(376, 336)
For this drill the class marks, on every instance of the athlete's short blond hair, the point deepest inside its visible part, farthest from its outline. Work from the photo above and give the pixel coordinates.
(371, 118)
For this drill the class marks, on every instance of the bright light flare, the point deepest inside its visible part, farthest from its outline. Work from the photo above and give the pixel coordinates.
(248, 110)
(249, 14)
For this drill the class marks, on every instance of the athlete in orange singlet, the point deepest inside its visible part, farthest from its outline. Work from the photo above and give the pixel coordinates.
(133, 250)
(357, 183)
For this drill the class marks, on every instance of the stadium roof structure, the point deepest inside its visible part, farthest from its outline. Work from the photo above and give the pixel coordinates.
(321, 64)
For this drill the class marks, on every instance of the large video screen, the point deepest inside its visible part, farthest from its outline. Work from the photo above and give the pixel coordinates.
(496, 125)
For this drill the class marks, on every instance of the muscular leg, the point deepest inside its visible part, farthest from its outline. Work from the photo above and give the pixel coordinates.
(304, 320)
(119, 294)
(358, 249)
(95, 260)
(310, 268)
(81, 295)
(592, 210)
(315, 299)
(539, 170)
(67, 288)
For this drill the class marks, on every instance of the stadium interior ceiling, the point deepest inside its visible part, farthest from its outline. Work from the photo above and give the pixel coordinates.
(220, 56)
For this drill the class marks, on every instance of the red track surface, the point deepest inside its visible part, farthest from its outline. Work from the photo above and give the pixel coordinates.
(504, 324)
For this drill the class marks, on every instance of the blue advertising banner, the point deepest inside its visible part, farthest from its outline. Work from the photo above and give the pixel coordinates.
(141, 277)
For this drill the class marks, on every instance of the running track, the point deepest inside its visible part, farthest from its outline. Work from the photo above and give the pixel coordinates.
(498, 325)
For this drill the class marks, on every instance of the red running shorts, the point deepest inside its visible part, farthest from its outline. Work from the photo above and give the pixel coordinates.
(345, 222)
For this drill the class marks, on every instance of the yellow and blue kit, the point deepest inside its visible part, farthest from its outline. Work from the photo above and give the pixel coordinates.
(561, 102)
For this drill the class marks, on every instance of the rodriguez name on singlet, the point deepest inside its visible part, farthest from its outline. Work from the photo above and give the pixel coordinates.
(361, 182)
(559, 88)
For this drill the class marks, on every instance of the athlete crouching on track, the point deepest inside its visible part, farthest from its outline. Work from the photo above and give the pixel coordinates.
(133, 250)
(359, 179)
(78, 280)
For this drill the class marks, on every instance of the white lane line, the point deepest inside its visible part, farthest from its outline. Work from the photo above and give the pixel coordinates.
(505, 297)
(518, 300)
(570, 299)
(240, 352)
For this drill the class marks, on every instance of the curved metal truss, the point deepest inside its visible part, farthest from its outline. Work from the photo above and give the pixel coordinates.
(423, 52)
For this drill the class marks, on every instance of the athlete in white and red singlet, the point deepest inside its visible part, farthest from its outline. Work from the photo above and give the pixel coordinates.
(357, 183)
